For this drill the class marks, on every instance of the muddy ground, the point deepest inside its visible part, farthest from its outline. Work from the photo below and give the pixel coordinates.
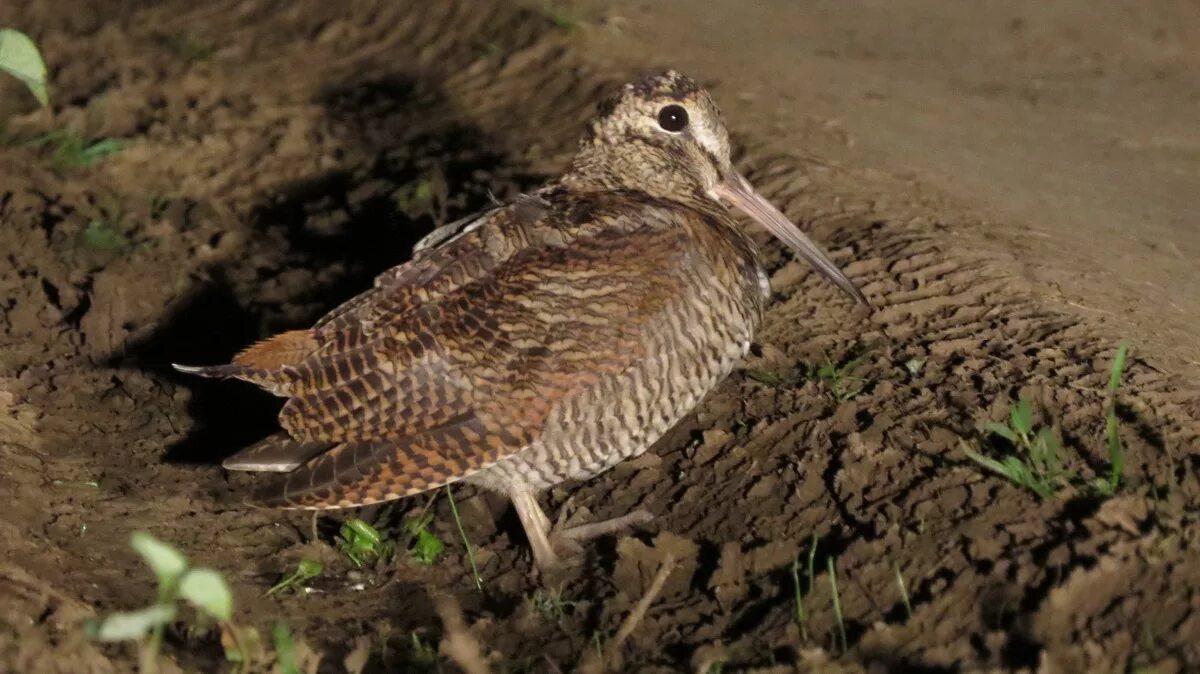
(276, 155)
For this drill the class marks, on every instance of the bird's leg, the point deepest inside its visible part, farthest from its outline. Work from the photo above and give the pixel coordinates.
(537, 529)
(543, 539)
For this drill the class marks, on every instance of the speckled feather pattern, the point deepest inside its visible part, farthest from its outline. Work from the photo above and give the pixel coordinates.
(543, 340)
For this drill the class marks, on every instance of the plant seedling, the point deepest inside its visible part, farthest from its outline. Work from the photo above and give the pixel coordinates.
(305, 571)
(1040, 469)
(19, 57)
(361, 542)
(903, 590)
(774, 378)
(1116, 453)
(837, 600)
(421, 653)
(73, 151)
(426, 546)
(285, 649)
(801, 613)
(103, 236)
(840, 378)
(200, 587)
(550, 605)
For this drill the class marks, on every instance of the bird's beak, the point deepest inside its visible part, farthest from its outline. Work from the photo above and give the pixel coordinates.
(738, 191)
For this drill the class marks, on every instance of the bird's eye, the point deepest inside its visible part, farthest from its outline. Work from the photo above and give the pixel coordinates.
(673, 118)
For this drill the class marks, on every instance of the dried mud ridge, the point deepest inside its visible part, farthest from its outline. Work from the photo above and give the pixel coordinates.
(270, 176)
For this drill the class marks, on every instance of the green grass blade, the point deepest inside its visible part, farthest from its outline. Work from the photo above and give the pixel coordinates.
(987, 462)
(1112, 429)
(1118, 366)
(1022, 417)
(837, 601)
(801, 615)
(466, 542)
(903, 590)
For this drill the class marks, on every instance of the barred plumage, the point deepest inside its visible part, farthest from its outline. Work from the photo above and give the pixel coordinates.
(542, 340)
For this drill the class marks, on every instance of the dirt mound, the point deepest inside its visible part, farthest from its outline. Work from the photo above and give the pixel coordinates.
(278, 155)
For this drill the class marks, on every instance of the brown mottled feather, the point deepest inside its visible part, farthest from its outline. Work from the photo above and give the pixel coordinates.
(453, 360)
(275, 352)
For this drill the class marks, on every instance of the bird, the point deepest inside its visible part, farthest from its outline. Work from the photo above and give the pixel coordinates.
(545, 339)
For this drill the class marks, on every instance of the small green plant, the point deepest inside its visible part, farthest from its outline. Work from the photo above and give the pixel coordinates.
(1040, 467)
(285, 649)
(202, 588)
(801, 613)
(1116, 453)
(19, 57)
(426, 547)
(426, 196)
(421, 653)
(360, 542)
(466, 542)
(305, 571)
(914, 365)
(550, 605)
(103, 236)
(1038, 464)
(774, 378)
(837, 601)
(903, 590)
(840, 378)
(73, 151)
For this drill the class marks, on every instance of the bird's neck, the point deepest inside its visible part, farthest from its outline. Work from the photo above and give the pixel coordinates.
(631, 167)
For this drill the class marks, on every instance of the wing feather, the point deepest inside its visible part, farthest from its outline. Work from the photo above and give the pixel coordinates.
(455, 360)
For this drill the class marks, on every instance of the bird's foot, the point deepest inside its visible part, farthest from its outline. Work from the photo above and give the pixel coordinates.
(584, 532)
(568, 540)
(560, 547)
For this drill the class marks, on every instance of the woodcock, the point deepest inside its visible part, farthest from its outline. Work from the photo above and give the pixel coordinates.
(542, 340)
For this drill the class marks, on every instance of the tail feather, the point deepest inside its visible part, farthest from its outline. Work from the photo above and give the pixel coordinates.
(274, 381)
(277, 453)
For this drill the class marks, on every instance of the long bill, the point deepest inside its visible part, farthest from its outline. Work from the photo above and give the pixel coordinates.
(738, 191)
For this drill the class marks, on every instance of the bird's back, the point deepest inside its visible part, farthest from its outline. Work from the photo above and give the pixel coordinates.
(599, 313)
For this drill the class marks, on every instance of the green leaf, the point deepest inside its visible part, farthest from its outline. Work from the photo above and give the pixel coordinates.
(99, 235)
(99, 149)
(769, 377)
(1050, 449)
(914, 365)
(986, 461)
(1022, 417)
(427, 548)
(1118, 366)
(129, 626)
(167, 563)
(306, 570)
(997, 428)
(206, 590)
(285, 649)
(362, 530)
(20, 57)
